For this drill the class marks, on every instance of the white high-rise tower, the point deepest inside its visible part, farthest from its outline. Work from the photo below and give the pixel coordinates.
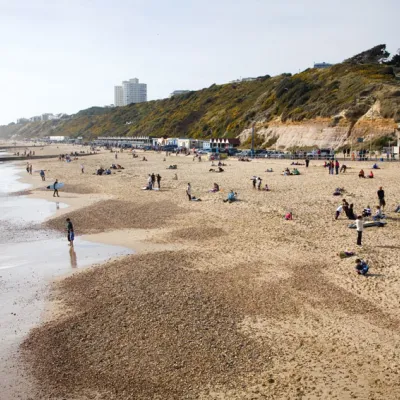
(134, 92)
(118, 96)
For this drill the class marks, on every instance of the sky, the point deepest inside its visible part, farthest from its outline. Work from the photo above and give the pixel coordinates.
(67, 55)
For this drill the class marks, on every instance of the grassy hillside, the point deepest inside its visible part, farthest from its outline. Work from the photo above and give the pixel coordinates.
(225, 110)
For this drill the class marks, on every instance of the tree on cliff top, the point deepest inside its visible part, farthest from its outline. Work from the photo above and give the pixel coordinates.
(376, 55)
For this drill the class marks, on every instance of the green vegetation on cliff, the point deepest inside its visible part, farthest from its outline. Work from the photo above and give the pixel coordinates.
(225, 110)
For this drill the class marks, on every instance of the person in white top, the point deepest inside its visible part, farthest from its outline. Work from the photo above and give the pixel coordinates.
(189, 191)
(338, 211)
(360, 229)
(378, 214)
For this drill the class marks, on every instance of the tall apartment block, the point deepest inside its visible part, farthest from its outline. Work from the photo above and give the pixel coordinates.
(118, 96)
(130, 92)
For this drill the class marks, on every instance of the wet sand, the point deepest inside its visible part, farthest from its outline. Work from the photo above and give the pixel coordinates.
(30, 258)
(243, 305)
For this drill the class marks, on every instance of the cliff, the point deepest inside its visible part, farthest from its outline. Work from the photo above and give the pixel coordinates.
(324, 107)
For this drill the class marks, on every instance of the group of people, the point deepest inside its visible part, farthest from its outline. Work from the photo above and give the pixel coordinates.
(152, 180)
(361, 174)
(287, 172)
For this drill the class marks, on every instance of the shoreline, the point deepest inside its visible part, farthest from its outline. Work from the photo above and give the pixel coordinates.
(32, 289)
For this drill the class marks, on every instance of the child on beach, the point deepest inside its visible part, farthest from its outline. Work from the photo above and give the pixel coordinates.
(361, 267)
(70, 232)
(338, 211)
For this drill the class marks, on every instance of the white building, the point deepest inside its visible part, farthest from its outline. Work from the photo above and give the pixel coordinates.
(134, 92)
(178, 92)
(118, 96)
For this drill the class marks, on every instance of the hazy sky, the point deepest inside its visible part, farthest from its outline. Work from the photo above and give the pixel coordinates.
(67, 55)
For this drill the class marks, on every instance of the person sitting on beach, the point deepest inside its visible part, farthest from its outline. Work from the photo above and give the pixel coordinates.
(173, 166)
(144, 158)
(397, 210)
(361, 174)
(378, 214)
(370, 175)
(361, 267)
(100, 171)
(175, 178)
(375, 166)
(286, 172)
(366, 212)
(338, 191)
(343, 168)
(107, 172)
(295, 171)
(220, 169)
(232, 196)
(269, 170)
(350, 213)
(215, 188)
(289, 216)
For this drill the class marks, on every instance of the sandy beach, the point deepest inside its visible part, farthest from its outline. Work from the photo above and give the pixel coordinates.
(221, 301)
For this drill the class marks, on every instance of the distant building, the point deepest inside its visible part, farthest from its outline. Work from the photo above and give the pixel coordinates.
(134, 92)
(322, 65)
(22, 120)
(178, 92)
(57, 138)
(224, 143)
(118, 96)
(130, 92)
(243, 80)
(35, 118)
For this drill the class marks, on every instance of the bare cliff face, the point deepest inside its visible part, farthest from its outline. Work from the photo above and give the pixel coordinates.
(322, 132)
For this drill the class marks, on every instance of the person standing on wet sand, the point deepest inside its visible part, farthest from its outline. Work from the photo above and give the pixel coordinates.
(42, 175)
(82, 168)
(55, 189)
(307, 162)
(70, 232)
(189, 192)
(153, 179)
(30, 169)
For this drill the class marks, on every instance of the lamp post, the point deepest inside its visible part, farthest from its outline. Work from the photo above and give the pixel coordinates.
(252, 139)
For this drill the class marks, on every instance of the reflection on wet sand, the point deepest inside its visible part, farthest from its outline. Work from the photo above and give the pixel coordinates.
(74, 260)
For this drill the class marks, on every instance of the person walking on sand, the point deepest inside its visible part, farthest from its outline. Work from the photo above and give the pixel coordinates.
(381, 197)
(307, 162)
(70, 232)
(27, 167)
(259, 183)
(189, 191)
(30, 169)
(360, 229)
(153, 179)
(82, 169)
(116, 155)
(42, 175)
(55, 189)
(158, 177)
(254, 180)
